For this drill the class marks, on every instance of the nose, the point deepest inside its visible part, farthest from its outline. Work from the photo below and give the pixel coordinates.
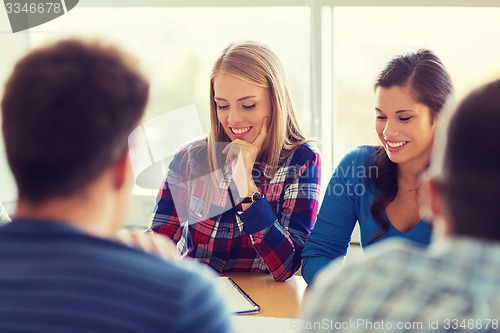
(234, 116)
(390, 130)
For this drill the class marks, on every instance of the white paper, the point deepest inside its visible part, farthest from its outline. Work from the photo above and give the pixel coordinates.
(255, 324)
(236, 301)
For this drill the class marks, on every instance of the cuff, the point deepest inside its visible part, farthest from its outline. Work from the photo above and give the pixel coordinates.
(258, 216)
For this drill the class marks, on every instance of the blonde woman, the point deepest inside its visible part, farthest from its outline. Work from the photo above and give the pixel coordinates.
(245, 197)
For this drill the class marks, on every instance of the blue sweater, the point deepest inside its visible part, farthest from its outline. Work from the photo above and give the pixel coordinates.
(54, 278)
(349, 197)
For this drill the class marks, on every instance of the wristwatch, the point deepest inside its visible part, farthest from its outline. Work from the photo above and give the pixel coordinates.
(252, 198)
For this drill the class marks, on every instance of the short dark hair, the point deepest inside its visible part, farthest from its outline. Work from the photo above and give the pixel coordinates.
(68, 110)
(470, 172)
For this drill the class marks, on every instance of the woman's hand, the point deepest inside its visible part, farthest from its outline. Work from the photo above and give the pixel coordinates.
(242, 156)
(149, 242)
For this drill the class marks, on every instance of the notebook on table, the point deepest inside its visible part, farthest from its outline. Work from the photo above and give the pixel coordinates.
(236, 298)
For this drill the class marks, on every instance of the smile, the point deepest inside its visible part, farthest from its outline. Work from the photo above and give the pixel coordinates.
(239, 131)
(396, 144)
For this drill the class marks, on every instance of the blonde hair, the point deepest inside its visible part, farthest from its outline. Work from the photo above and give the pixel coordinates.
(255, 63)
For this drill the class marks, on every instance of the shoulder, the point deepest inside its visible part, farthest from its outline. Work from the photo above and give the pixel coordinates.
(186, 281)
(303, 161)
(392, 251)
(156, 285)
(199, 144)
(193, 153)
(114, 259)
(383, 262)
(304, 153)
(362, 155)
(369, 285)
(182, 270)
(357, 165)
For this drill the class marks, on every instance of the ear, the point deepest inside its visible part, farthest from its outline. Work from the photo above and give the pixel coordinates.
(434, 198)
(121, 170)
(436, 204)
(431, 199)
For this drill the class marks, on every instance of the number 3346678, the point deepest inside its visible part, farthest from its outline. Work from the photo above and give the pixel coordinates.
(471, 324)
(33, 7)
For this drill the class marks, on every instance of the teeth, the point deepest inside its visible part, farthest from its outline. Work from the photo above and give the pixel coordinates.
(395, 144)
(240, 130)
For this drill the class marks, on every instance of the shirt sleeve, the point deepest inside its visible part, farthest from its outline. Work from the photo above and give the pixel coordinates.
(324, 301)
(170, 211)
(331, 235)
(279, 238)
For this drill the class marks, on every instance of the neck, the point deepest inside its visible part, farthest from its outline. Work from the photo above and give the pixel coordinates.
(409, 172)
(88, 212)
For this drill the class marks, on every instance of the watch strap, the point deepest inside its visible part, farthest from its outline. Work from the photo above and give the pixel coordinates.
(252, 197)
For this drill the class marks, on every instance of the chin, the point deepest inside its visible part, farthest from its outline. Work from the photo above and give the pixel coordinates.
(395, 158)
(248, 140)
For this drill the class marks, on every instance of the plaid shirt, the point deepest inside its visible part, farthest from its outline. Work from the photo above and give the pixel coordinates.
(267, 237)
(397, 287)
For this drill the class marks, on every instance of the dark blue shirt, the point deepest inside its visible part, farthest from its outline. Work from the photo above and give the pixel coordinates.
(54, 278)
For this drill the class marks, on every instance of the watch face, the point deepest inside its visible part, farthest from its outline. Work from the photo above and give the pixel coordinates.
(256, 196)
(252, 198)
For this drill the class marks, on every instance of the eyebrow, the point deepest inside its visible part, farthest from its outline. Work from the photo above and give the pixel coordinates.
(399, 111)
(238, 100)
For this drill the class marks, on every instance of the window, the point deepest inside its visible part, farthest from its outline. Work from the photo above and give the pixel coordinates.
(366, 38)
(177, 46)
(332, 51)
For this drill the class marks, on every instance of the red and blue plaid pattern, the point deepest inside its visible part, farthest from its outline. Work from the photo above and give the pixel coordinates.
(267, 237)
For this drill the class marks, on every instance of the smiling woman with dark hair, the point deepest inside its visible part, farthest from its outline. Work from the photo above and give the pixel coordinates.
(377, 186)
(452, 285)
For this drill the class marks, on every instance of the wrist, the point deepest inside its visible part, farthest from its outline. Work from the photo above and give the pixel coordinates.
(250, 199)
(251, 188)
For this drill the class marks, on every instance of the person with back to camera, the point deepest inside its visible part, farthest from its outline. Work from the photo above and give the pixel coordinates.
(245, 198)
(453, 285)
(68, 110)
(377, 185)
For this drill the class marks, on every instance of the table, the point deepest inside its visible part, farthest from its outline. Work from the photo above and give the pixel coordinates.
(276, 299)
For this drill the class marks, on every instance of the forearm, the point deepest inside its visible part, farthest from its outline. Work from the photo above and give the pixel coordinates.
(279, 237)
(279, 247)
(169, 228)
(281, 256)
(330, 237)
(312, 266)
(322, 247)
(165, 219)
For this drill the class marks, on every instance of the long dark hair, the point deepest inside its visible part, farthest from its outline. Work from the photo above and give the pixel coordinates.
(431, 84)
